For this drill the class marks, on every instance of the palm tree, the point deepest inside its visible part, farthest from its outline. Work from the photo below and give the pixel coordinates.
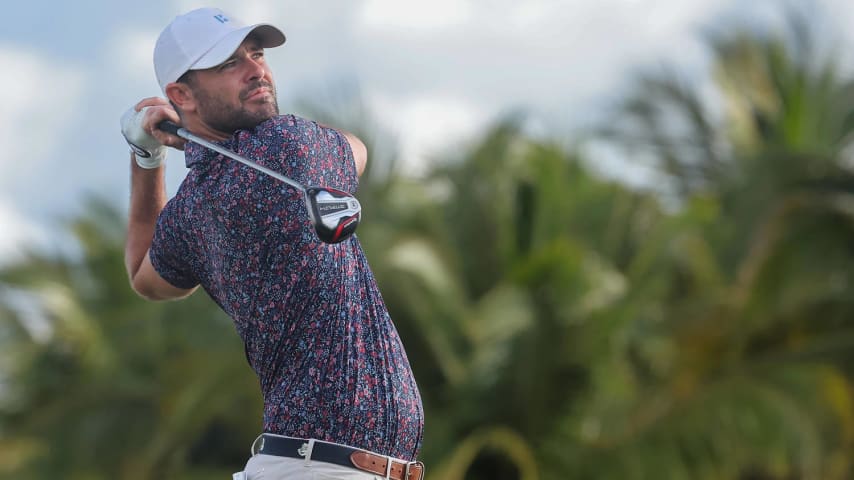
(117, 387)
(729, 357)
(489, 292)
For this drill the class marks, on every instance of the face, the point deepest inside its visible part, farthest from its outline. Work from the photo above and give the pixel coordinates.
(237, 94)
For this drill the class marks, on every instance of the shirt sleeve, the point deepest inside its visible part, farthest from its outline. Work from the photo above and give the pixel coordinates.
(334, 159)
(343, 157)
(169, 252)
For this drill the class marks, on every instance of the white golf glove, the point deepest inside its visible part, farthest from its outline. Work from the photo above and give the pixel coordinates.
(148, 151)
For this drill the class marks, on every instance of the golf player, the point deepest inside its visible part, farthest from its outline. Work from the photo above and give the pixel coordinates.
(340, 400)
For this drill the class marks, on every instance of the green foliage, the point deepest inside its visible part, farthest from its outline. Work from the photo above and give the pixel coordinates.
(116, 387)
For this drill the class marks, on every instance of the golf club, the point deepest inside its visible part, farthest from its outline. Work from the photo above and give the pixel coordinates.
(334, 214)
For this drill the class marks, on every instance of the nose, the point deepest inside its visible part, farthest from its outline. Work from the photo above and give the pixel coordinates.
(255, 69)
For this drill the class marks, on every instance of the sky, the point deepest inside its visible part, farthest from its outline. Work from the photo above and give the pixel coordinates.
(432, 74)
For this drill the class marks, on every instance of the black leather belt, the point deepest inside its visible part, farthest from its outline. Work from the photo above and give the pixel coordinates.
(341, 455)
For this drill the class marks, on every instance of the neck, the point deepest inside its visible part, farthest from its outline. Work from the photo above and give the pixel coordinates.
(202, 129)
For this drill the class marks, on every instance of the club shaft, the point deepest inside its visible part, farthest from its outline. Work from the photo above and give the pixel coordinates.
(187, 135)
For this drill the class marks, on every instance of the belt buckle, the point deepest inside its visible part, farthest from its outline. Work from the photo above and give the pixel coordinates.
(407, 471)
(259, 442)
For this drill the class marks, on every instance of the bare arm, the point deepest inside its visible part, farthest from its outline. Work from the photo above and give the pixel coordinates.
(148, 197)
(360, 151)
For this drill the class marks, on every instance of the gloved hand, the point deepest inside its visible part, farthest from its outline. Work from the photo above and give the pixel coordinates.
(148, 151)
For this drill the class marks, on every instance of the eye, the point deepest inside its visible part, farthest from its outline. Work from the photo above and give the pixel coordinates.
(228, 64)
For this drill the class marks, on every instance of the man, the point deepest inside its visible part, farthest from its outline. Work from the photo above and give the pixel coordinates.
(340, 400)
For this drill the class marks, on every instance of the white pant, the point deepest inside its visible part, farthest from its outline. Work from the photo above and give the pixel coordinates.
(270, 467)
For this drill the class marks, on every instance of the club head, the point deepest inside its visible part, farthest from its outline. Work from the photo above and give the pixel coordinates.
(334, 214)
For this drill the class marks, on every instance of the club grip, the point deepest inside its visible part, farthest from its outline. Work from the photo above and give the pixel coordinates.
(168, 127)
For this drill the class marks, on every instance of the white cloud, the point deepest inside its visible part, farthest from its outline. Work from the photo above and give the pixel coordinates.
(393, 14)
(41, 104)
(39, 101)
(249, 11)
(548, 55)
(426, 125)
(132, 51)
(18, 233)
(446, 69)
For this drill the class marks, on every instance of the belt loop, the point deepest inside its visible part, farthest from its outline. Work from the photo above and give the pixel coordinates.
(252, 450)
(388, 468)
(308, 449)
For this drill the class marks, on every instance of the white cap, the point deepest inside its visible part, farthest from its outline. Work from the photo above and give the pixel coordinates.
(204, 38)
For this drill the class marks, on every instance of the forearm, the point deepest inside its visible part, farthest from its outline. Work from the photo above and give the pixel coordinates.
(147, 199)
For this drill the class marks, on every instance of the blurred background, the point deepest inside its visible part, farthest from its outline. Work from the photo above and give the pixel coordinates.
(617, 237)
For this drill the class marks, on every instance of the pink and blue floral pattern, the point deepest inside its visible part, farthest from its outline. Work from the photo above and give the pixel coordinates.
(316, 330)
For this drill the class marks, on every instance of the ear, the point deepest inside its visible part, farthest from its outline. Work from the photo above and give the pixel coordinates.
(182, 96)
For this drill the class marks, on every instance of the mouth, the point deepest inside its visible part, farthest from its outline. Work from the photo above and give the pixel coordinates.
(257, 93)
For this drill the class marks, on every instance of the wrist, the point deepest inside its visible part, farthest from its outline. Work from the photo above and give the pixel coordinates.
(148, 159)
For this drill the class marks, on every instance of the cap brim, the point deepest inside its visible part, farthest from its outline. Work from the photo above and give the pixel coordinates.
(269, 36)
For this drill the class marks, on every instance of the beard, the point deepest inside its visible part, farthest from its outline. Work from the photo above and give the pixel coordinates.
(227, 117)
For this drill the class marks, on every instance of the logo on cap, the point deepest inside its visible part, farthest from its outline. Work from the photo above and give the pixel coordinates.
(221, 18)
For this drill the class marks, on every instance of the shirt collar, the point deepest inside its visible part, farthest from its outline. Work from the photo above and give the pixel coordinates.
(195, 154)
